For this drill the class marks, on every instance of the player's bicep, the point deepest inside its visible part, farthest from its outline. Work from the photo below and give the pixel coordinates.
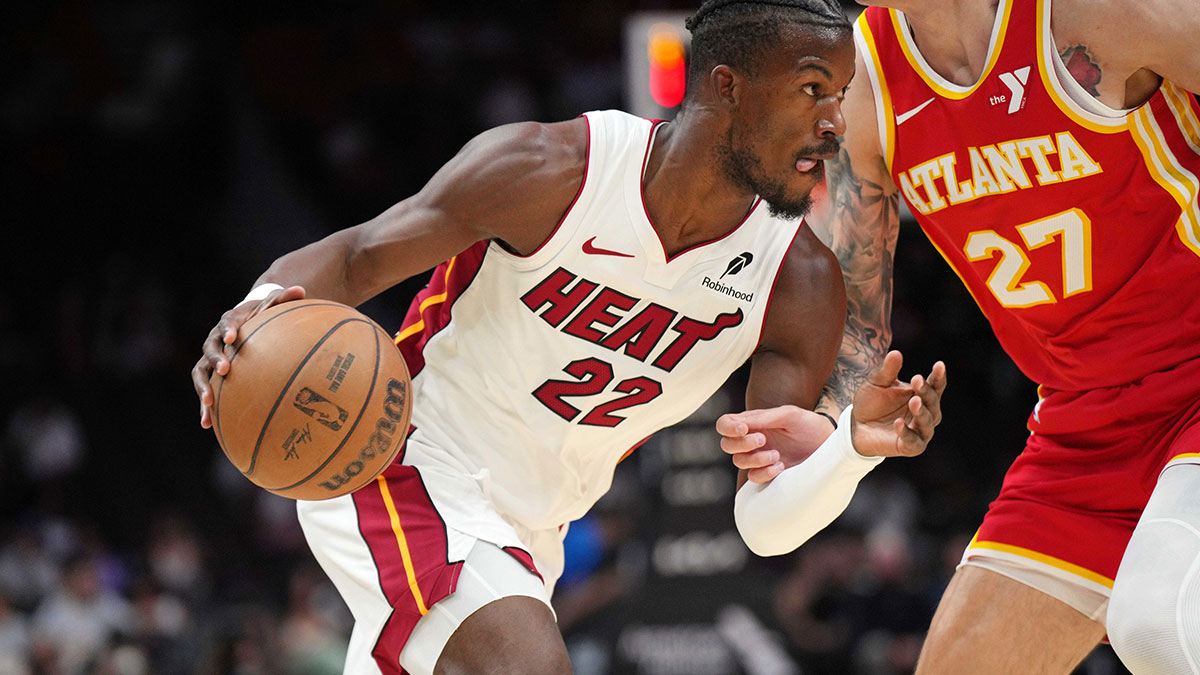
(802, 332)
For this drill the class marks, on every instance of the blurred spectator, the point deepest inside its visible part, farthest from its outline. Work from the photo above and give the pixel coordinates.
(27, 570)
(14, 640)
(72, 627)
(176, 558)
(48, 439)
(165, 630)
(814, 604)
(314, 631)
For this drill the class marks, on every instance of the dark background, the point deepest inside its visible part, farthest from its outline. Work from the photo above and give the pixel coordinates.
(158, 155)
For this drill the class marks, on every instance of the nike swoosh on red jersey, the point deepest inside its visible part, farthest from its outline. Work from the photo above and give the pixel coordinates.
(591, 249)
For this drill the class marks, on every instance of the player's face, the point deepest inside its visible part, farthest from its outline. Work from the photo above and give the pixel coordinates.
(789, 119)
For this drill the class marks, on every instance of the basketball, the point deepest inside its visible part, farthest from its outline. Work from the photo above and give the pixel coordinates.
(316, 402)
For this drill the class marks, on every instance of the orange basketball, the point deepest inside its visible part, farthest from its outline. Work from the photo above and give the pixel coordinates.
(317, 400)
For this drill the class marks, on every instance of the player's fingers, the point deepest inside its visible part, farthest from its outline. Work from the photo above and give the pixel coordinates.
(281, 296)
(763, 419)
(214, 353)
(731, 424)
(755, 460)
(765, 474)
(887, 372)
(937, 377)
(748, 443)
(921, 418)
(931, 399)
(908, 442)
(201, 374)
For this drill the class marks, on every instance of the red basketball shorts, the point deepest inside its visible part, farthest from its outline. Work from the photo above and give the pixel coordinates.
(1070, 501)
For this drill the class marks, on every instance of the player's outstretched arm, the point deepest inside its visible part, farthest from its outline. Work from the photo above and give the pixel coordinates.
(889, 418)
(511, 184)
(860, 226)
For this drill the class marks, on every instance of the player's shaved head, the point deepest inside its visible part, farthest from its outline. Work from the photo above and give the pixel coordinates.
(738, 33)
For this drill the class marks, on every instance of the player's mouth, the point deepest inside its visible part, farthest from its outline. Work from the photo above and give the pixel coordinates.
(810, 159)
(812, 162)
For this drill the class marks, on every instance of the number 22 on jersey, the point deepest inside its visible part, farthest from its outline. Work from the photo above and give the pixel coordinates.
(1072, 229)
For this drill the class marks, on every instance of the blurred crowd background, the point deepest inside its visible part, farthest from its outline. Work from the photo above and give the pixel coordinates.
(157, 155)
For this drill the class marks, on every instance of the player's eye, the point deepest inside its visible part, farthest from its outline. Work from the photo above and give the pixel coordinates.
(811, 89)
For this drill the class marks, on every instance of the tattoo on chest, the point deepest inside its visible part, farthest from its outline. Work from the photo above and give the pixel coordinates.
(1082, 67)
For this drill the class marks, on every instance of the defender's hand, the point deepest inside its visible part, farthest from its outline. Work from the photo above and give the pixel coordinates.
(765, 442)
(893, 418)
(225, 333)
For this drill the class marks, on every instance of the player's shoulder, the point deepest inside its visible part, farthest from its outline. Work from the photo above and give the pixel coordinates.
(544, 143)
(1118, 29)
(808, 302)
(809, 269)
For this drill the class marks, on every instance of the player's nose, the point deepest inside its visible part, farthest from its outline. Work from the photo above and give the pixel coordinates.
(830, 121)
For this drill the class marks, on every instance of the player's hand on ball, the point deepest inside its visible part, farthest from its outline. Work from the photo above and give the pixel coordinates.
(894, 418)
(767, 441)
(225, 333)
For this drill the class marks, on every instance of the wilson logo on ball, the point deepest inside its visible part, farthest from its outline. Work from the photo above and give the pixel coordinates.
(380, 441)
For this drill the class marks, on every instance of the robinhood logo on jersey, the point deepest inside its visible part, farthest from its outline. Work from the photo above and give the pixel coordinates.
(736, 265)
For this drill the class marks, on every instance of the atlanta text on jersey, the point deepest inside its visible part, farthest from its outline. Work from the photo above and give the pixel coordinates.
(996, 169)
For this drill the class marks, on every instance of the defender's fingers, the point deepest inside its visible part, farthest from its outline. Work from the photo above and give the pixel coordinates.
(887, 372)
(908, 441)
(922, 421)
(932, 400)
(937, 377)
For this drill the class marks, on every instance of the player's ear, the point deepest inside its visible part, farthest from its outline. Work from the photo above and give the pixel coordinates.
(726, 85)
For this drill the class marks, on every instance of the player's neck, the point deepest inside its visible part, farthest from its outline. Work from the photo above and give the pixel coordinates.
(953, 35)
(688, 200)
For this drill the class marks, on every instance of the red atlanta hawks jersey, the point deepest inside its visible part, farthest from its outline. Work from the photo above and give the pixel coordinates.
(542, 372)
(1074, 226)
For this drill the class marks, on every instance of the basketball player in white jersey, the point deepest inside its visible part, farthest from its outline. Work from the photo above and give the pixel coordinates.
(599, 279)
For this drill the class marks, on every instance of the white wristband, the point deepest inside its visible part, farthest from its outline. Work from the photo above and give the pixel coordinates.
(261, 291)
(779, 516)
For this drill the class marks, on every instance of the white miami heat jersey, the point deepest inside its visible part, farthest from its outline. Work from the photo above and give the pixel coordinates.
(541, 372)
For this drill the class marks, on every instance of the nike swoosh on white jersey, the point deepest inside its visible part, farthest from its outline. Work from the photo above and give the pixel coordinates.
(902, 118)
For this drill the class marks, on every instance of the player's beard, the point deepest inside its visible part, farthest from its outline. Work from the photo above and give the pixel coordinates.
(745, 169)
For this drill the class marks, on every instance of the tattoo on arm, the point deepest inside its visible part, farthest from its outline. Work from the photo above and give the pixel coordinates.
(864, 224)
(1082, 67)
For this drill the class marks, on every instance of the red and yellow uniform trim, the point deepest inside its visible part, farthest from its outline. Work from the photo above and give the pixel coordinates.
(1043, 559)
(884, 115)
(1165, 167)
(931, 78)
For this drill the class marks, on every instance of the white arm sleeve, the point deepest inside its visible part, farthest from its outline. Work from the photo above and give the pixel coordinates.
(779, 516)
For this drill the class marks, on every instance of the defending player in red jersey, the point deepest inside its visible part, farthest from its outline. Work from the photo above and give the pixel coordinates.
(599, 280)
(1051, 152)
